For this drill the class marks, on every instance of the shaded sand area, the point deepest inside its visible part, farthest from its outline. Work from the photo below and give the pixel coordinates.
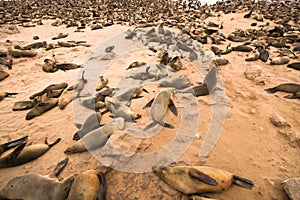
(249, 146)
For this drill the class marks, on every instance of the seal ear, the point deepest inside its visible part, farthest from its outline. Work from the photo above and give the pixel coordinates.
(193, 173)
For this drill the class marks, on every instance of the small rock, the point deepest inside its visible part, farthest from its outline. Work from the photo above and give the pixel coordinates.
(292, 188)
(259, 81)
(253, 72)
(279, 121)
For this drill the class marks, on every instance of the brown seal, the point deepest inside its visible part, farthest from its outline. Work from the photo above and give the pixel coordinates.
(6, 94)
(286, 87)
(88, 185)
(37, 186)
(41, 108)
(23, 154)
(200, 179)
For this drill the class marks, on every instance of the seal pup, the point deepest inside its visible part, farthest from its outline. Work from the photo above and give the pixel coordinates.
(263, 53)
(279, 60)
(179, 82)
(200, 179)
(23, 105)
(22, 53)
(67, 66)
(176, 63)
(60, 36)
(51, 87)
(207, 86)
(37, 186)
(120, 110)
(8, 145)
(89, 185)
(101, 83)
(131, 94)
(219, 61)
(41, 108)
(91, 123)
(136, 64)
(242, 48)
(49, 64)
(66, 97)
(96, 138)
(159, 107)
(253, 55)
(286, 87)
(3, 75)
(6, 94)
(295, 65)
(23, 154)
(218, 51)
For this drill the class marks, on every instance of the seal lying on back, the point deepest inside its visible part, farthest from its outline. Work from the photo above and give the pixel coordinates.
(91, 123)
(159, 107)
(89, 185)
(23, 154)
(286, 87)
(37, 186)
(96, 138)
(200, 179)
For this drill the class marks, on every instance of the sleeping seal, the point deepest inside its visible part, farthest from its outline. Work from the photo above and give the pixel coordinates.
(23, 154)
(96, 138)
(8, 145)
(159, 107)
(200, 179)
(286, 87)
(89, 185)
(37, 186)
(6, 94)
(41, 108)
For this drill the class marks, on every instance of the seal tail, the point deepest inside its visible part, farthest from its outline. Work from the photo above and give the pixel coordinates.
(54, 143)
(243, 182)
(60, 166)
(102, 192)
(271, 90)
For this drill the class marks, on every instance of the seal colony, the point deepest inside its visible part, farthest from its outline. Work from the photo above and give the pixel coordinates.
(255, 45)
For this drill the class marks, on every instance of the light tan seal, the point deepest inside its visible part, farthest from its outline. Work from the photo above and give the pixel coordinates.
(89, 185)
(41, 108)
(96, 138)
(200, 179)
(159, 107)
(23, 154)
(37, 186)
(6, 94)
(101, 83)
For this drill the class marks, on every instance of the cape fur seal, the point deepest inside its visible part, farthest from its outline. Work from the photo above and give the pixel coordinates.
(66, 97)
(37, 186)
(286, 87)
(89, 185)
(41, 108)
(295, 65)
(49, 88)
(136, 64)
(101, 83)
(200, 179)
(253, 55)
(6, 94)
(23, 105)
(159, 107)
(120, 110)
(131, 94)
(179, 82)
(22, 53)
(23, 154)
(96, 138)
(279, 60)
(91, 123)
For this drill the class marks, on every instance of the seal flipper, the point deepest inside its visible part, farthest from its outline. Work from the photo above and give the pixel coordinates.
(102, 192)
(243, 182)
(9, 94)
(193, 173)
(60, 166)
(145, 90)
(16, 152)
(8, 145)
(149, 104)
(173, 108)
(77, 125)
(271, 90)
(167, 125)
(54, 143)
(150, 125)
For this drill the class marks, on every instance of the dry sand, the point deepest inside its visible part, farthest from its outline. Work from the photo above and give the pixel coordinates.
(250, 145)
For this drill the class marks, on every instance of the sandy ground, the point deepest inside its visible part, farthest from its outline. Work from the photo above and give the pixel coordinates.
(250, 145)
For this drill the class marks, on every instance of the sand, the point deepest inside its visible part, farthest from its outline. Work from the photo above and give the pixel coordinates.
(249, 146)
